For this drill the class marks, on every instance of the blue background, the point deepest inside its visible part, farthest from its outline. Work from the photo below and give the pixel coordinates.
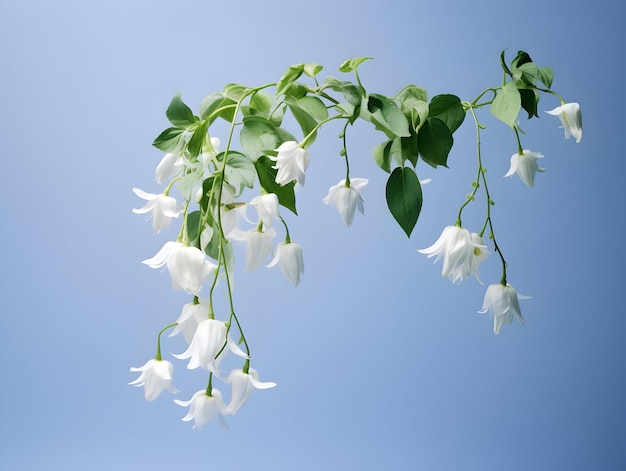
(380, 362)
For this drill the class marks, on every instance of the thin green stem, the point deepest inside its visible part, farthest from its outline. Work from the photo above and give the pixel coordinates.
(209, 388)
(303, 143)
(520, 150)
(345, 153)
(158, 357)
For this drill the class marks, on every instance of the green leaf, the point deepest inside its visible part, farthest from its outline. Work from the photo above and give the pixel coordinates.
(210, 104)
(267, 178)
(312, 69)
(349, 90)
(234, 91)
(527, 74)
(193, 227)
(507, 104)
(178, 113)
(239, 171)
(352, 64)
(387, 117)
(308, 111)
(382, 155)
(447, 108)
(404, 197)
(260, 105)
(197, 139)
(530, 101)
(258, 136)
(207, 188)
(313, 106)
(305, 120)
(415, 110)
(503, 64)
(415, 92)
(170, 140)
(520, 59)
(546, 75)
(435, 141)
(292, 74)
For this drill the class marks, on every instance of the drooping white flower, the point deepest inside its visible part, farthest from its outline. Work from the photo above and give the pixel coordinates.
(210, 337)
(155, 377)
(203, 409)
(191, 315)
(502, 302)
(571, 118)
(170, 166)
(188, 266)
(259, 245)
(525, 165)
(291, 163)
(163, 209)
(267, 208)
(289, 259)
(347, 198)
(462, 253)
(243, 383)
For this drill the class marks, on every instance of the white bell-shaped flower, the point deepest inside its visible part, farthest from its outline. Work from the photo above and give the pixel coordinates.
(191, 315)
(291, 163)
(502, 302)
(347, 198)
(188, 266)
(203, 409)
(525, 165)
(571, 118)
(462, 253)
(210, 337)
(155, 377)
(162, 208)
(289, 259)
(243, 384)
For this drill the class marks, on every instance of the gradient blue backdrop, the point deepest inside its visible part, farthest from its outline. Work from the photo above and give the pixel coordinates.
(380, 363)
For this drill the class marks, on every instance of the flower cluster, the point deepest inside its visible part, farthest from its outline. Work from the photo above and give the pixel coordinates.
(212, 205)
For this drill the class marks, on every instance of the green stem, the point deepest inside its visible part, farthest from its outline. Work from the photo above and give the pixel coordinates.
(209, 388)
(287, 237)
(158, 357)
(520, 151)
(303, 143)
(345, 153)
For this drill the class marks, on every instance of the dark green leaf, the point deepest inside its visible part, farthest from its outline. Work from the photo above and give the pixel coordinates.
(193, 227)
(404, 197)
(530, 100)
(178, 113)
(434, 141)
(197, 139)
(267, 178)
(170, 140)
(503, 64)
(447, 108)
